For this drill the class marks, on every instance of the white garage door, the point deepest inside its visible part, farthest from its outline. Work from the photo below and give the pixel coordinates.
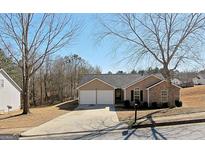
(87, 96)
(105, 97)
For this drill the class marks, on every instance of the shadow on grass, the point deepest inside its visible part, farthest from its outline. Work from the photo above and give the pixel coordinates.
(12, 116)
(69, 105)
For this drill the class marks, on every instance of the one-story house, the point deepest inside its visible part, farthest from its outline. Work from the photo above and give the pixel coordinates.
(114, 88)
(199, 79)
(10, 93)
(176, 81)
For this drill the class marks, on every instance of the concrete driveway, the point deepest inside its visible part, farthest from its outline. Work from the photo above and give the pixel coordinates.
(83, 119)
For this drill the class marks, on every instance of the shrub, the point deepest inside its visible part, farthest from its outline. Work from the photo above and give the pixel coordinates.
(178, 103)
(141, 104)
(126, 103)
(165, 105)
(145, 105)
(137, 102)
(132, 104)
(154, 105)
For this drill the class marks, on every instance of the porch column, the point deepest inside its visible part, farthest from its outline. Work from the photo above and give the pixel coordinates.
(124, 94)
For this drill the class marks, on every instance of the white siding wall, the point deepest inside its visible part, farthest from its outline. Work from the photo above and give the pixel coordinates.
(9, 95)
(176, 81)
(199, 80)
(202, 81)
(195, 80)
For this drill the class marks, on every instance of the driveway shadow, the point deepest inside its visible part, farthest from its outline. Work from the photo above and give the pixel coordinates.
(78, 135)
(95, 107)
(11, 116)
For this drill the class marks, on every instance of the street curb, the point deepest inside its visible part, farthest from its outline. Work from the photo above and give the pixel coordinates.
(73, 132)
(169, 123)
(11, 136)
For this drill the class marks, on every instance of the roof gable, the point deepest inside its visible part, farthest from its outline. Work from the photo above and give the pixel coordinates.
(94, 80)
(10, 79)
(144, 78)
(158, 83)
(202, 75)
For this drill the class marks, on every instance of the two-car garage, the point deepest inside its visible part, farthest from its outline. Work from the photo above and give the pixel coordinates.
(96, 96)
(96, 92)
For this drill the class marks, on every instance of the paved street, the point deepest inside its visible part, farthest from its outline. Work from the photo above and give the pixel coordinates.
(8, 137)
(177, 132)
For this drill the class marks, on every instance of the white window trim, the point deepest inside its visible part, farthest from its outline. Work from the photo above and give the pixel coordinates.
(136, 95)
(167, 98)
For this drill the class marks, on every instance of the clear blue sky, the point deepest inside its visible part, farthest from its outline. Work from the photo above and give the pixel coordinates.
(101, 54)
(96, 53)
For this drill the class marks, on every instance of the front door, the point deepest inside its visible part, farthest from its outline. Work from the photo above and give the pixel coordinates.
(118, 96)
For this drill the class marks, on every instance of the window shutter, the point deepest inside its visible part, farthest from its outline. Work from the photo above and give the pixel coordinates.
(141, 95)
(132, 95)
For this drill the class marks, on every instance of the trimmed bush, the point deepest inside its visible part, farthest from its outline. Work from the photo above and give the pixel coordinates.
(145, 105)
(126, 104)
(137, 102)
(165, 105)
(178, 103)
(154, 105)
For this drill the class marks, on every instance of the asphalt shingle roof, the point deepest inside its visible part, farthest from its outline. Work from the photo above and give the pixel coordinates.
(116, 80)
(202, 75)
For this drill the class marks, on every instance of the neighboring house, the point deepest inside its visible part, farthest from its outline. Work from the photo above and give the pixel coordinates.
(114, 88)
(199, 79)
(10, 93)
(186, 78)
(176, 81)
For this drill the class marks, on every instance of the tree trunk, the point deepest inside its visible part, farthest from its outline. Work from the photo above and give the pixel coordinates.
(75, 79)
(41, 93)
(170, 89)
(41, 87)
(26, 94)
(71, 88)
(33, 91)
(45, 88)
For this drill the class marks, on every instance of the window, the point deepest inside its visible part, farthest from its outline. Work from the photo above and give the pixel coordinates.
(1, 83)
(137, 94)
(164, 95)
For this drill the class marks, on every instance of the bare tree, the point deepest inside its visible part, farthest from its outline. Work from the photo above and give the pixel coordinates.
(75, 61)
(170, 39)
(29, 38)
(46, 78)
(56, 80)
(41, 84)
